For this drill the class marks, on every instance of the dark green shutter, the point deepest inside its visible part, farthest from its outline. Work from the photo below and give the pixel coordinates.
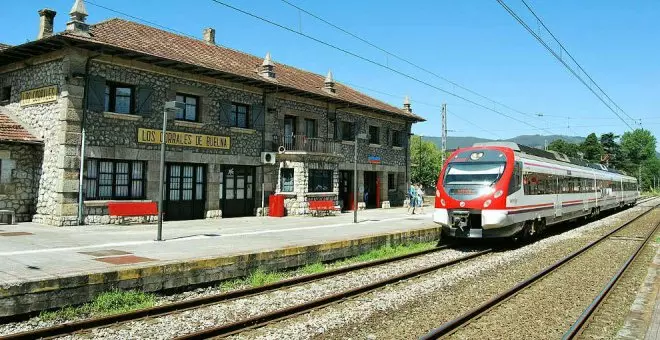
(225, 114)
(257, 117)
(338, 130)
(144, 95)
(96, 94)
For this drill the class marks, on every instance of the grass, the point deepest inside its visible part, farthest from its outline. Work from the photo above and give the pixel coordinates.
(112, 302)
(260, 277)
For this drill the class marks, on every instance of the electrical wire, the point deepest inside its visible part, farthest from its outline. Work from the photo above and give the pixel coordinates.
(353, 54)
(540, 40)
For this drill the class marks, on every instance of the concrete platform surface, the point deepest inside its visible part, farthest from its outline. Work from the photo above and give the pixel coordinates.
(30, 251)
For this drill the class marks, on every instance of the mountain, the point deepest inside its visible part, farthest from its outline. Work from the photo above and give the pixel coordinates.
(537, 141)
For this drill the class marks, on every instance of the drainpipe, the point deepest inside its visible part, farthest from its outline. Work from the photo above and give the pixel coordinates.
(81, 204)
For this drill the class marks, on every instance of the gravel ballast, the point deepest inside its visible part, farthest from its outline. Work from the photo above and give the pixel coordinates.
(411, 308)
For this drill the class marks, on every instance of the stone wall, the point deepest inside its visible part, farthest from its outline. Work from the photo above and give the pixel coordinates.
(44, 122)
(296, 202)
(20, 172)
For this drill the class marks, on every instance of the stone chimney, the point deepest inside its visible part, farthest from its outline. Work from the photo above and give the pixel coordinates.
(329, 83)
(406, 105)
(46, 19)
(267, 69)
(209, 35)
(78, 14)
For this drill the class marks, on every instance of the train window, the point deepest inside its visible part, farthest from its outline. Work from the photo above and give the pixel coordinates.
(514, 184)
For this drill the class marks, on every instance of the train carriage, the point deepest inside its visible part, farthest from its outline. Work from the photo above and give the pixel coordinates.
(503, 189)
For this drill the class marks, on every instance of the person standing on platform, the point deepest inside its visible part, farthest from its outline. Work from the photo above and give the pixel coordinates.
(420, 197)
(412, 198)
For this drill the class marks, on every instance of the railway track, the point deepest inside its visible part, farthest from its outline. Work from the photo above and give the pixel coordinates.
(500, 301)
(87, 325)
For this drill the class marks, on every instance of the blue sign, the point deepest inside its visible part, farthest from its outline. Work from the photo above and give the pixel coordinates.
(374, 159)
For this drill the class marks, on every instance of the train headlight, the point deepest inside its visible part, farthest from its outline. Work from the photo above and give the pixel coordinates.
(487, 203)
(498, 193)
(442, 201)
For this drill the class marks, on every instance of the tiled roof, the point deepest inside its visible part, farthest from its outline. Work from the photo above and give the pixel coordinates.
(151, 41)
(4, 46)
(11, 131)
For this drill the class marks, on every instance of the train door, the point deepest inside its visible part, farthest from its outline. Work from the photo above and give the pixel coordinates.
(557, 196)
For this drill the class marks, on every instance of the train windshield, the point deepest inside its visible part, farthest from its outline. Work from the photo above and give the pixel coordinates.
(471, 174)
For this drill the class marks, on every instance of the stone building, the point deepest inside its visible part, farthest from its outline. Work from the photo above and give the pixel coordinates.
(95, 96)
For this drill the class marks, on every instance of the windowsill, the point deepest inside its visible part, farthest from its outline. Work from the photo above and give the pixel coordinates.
(243, 130)
(374, 145)
(397, 147)
(286, 193)
(122, 116)
(321, 193)
(103, 203)
(188, 124)
(348, 142)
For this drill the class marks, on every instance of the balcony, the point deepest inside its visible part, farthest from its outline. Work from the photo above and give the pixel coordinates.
(301, 144)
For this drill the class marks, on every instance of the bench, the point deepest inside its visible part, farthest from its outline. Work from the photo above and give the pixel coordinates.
(322, 207)
(132, 209)
(10, 213)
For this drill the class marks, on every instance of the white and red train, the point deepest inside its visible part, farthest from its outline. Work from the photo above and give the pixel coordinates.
(504, 189)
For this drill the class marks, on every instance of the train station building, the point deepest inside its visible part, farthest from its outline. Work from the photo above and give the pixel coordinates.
(92, 97)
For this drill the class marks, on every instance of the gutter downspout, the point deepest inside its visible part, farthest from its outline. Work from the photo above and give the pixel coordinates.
(81, 203)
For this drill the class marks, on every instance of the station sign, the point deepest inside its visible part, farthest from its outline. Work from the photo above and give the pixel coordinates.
(41, 95)
(152, 136)
(374, 159)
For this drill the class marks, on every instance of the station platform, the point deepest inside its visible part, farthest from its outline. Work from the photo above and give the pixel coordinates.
(44, 267)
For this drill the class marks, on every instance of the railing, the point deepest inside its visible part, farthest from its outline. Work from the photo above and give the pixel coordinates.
(310, 144)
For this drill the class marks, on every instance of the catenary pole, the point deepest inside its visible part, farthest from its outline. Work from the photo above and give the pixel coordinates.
(444, 133)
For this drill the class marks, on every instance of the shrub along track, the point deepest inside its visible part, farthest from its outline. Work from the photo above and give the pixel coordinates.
(546, 304)
(177, 307)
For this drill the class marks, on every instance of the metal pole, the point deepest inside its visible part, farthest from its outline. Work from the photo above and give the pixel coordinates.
(355, 174)
(162, 178)
(444, 133)
(81, 219)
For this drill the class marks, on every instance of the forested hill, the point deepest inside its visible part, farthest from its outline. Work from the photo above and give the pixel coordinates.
(529, 140)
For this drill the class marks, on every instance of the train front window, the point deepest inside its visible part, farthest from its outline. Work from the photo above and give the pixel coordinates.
(473, 173)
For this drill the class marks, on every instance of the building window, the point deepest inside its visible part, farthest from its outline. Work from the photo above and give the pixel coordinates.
(396, 138)
(320, 181)
(191, 110)
(310, 128)
(119, 98)
(286, 182)
(240, 116)
(114, 179)
(374, 135)
(347, 131)
(390, 182)
(5, 95)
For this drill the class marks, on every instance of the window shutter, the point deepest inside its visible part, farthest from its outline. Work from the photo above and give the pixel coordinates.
(96, 94)
(257, 117)
(225, 113)
(144, 95)
(338, 130)
(388, 137)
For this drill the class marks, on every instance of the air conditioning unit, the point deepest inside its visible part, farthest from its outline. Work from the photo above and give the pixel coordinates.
(268, 157)
(281, 149)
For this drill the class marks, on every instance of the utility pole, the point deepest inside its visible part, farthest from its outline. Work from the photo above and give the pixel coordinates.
(444, 133)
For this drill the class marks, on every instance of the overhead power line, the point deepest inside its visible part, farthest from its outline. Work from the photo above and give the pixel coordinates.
(597, 91)
(396, 56)
(371, 61)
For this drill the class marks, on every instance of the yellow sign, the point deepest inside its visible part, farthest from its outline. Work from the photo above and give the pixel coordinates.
(39, 96)
(183, 139)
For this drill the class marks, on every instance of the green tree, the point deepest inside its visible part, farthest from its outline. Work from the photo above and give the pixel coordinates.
(560, 145)
(425, 159)
(650, 174)
(593, 151)
(612, 150)
(637, 146)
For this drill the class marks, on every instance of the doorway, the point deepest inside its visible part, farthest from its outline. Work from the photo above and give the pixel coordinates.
(370, 179)
(237, 190)
(346, 189)
(185, 197)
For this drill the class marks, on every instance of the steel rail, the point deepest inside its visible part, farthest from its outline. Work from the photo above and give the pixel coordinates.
(453, 325)
(87, 324)
(580, 324)
(281, 314)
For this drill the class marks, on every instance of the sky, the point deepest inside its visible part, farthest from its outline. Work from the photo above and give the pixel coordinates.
(475, 44)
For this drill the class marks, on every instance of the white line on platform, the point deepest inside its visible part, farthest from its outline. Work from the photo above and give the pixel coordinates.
(134, 243)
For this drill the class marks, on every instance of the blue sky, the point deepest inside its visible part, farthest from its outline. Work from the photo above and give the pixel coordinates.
(474, 43)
